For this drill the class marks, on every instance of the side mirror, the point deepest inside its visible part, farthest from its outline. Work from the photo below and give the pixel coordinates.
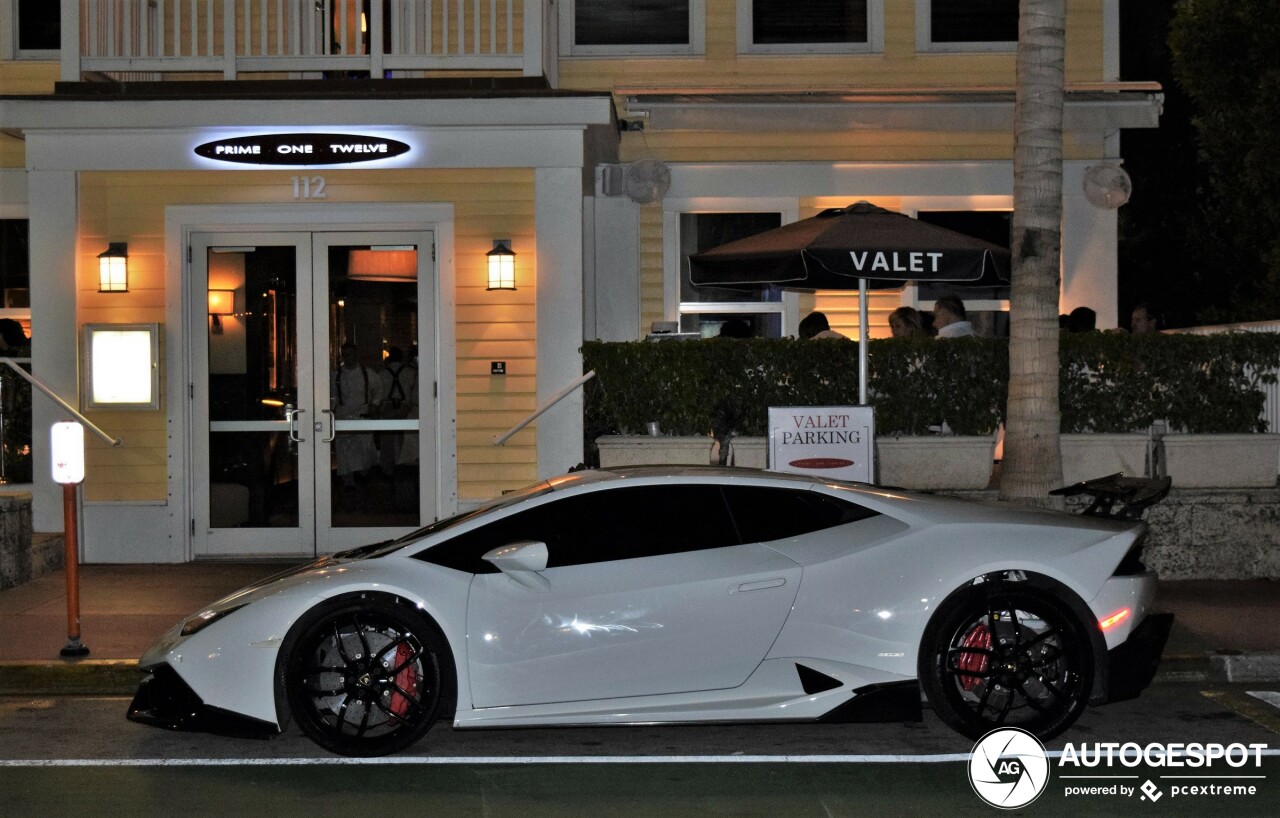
(521, 561)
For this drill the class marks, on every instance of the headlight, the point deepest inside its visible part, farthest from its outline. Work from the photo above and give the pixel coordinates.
(206, 618)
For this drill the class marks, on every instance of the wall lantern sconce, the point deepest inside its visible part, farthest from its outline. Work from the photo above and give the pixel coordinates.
(502, 265)
(113, 268)
(221, 302)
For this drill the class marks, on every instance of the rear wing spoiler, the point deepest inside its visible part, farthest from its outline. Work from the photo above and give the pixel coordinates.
(1117, 496)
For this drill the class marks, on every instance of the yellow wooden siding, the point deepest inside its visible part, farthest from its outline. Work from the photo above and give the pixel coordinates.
(489, 326)
(651, 267)
(899, 67)
(841, 146)
(26, 77)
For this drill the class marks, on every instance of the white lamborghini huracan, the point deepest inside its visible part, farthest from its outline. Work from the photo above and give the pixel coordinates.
(674, 594)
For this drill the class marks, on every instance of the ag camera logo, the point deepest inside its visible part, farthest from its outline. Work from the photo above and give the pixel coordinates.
(1008, 768)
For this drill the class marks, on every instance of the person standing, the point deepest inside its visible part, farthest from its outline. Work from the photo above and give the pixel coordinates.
(1143, 320)
(950, 318)
(356, 392)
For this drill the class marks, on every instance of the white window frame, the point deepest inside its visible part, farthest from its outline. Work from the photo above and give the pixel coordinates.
(673, 264)
(9, 49)
(695, 47)
(873, 45)
(925, 43)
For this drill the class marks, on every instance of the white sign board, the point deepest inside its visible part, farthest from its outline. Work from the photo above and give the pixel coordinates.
(828, 441)
(66, 448)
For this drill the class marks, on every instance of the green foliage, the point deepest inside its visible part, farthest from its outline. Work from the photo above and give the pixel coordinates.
(691, 388)
(1113, 382)
(15, 448)
(1110, 382)
(1225, 56)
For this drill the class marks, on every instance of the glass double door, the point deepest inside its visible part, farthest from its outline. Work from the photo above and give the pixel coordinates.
(312, 394)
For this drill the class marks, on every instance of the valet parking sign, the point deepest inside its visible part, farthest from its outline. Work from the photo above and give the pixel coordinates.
(829, 441)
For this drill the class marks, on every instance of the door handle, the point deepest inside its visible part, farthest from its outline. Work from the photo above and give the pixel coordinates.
(760, 585)
(291, 415)
(333, 432)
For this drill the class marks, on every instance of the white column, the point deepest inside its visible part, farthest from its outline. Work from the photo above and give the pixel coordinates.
(52, 211)
(558, 223)
(1089, 236)
(617, 269)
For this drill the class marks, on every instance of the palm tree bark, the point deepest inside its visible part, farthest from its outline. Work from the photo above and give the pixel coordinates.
(1032, 464)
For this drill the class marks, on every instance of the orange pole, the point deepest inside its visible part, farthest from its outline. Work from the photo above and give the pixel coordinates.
(71, 558)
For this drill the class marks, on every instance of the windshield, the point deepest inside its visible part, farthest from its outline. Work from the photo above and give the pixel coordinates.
(497, 503)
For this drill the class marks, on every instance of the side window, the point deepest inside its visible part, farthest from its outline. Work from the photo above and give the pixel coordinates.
(765, 514)
(640, 27)
(641, 521)
(601, 526)
(967, 25)
(38, 25)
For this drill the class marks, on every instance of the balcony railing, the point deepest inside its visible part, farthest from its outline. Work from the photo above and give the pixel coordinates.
(153, 39)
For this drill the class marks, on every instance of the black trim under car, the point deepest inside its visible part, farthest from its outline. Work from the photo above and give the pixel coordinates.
(890, 701)
(165, 700)
(1133, 663)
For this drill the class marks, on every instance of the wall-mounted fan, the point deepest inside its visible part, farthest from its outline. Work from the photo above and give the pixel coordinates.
(1107, 186)
(646, 180)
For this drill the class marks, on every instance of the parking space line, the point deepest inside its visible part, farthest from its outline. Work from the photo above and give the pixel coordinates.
(1250, 705)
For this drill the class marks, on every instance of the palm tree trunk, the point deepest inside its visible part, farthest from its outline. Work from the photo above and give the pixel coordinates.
(1032, 460)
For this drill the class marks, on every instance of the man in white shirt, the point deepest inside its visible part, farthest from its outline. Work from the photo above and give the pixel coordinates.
(950, 319)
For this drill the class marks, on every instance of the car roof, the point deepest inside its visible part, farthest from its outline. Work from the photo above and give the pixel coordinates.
(679, 472)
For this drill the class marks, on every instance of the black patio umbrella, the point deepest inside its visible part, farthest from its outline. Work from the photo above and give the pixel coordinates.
(859, 247)
(838, 247)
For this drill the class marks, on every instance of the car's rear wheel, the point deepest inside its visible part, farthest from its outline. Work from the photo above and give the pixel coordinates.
(997, 654)
(364, 675)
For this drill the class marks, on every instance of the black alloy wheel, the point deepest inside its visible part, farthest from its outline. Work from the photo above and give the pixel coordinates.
(1000, 655)
(365, 675)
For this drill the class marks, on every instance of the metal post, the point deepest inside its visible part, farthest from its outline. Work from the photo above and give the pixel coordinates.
(863, 358)
(71, 551)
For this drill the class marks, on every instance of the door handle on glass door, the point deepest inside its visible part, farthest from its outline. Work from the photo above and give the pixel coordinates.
(332, 431)
(291, 415)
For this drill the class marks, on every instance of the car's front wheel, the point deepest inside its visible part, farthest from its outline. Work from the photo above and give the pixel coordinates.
(1004, 654)
(364, 675)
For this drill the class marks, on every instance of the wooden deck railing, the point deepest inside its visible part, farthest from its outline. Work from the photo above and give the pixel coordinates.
(300, 38)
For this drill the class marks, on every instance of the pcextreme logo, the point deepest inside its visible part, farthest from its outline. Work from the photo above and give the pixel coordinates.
(1008, 768)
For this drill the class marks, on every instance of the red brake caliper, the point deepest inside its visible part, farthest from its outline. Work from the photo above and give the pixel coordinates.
(971, 661)
(406, 680)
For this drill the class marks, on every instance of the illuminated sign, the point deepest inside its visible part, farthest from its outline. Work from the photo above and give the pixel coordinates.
(302, 149)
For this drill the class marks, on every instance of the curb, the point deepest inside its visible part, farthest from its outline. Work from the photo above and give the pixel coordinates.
(84, 677)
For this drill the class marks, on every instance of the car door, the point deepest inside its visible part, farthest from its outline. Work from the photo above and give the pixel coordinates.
(647, 590)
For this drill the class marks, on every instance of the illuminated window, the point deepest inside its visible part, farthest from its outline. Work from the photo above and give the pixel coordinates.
(713, 311)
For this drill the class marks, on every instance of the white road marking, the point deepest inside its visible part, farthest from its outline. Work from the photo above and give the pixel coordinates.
(1271, 697)
(940, 758)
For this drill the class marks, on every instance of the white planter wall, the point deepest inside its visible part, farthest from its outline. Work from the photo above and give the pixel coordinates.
(935, 462)
(1222, 461)
(1086, 456)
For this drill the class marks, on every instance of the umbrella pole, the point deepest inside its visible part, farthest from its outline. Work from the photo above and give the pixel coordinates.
(862, 341)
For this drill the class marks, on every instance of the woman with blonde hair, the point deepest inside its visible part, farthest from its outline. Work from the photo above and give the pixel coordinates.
(904, 322)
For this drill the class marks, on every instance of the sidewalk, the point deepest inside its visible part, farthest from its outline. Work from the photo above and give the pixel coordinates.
(1224, 629)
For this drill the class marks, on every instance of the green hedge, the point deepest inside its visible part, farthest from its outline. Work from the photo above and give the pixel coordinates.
(1110, 382)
